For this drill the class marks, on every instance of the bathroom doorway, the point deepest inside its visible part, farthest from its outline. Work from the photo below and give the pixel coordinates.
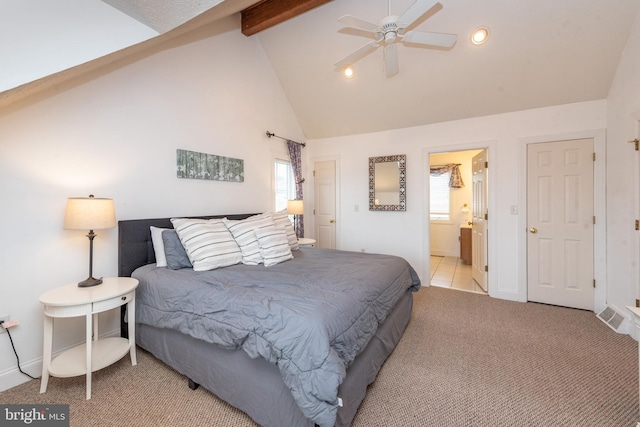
(458, 193)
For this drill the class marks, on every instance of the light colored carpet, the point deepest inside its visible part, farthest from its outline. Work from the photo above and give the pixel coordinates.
(465, 360)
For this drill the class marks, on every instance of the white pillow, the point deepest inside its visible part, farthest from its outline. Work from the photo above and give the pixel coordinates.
(158, 246)
(208, 243)
(274, 245)
(281, 219)
(243, 232)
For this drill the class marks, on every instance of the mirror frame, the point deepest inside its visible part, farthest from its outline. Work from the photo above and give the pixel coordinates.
(402, 161)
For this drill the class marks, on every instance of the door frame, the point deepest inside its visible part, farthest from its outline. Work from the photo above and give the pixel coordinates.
(636, 190)
(490, 146)
(599, 210)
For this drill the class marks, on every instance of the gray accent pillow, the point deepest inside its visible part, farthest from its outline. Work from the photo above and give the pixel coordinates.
(174, 251)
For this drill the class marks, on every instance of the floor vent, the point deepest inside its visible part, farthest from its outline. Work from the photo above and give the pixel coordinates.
(611, 318)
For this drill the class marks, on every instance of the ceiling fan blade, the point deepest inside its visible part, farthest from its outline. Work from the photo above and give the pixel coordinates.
(352, 21)
(391, 66)
(415, 12)
(359, 32)
(357, 54)
(430, 39)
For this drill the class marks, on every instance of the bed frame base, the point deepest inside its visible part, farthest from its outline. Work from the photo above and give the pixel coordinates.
(255, 386)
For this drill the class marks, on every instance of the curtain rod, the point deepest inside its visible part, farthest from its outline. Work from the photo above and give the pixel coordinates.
(270, 134)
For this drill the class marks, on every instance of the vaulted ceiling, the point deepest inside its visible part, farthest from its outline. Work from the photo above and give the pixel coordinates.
(539, 53)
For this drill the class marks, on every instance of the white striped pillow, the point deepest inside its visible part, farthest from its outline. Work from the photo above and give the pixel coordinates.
(243, 232)
(208, 243)
(274, 245)
(281, 219)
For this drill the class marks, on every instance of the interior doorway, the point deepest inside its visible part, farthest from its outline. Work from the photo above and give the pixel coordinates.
(457, 211)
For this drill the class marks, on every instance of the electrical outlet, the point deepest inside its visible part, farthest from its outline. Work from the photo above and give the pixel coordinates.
(4, 318)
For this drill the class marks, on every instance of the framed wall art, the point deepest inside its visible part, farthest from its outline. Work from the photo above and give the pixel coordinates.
(194, 165)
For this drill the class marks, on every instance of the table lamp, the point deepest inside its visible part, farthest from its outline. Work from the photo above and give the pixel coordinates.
(295, 207)
(89, 213)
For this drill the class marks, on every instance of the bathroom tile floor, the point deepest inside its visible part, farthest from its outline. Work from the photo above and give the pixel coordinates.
(450, 272)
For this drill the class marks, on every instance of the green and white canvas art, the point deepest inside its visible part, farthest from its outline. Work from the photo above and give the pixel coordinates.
(194, 165)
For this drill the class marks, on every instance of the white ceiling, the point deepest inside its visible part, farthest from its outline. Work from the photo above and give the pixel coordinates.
(163, 15)
(39, 38)
(44, 43)
(540, 53)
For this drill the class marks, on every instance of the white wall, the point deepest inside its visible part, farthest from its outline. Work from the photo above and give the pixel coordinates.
(623, 178)
(115, 134)
(407, 233)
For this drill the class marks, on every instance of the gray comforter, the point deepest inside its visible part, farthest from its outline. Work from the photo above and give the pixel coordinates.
(311, 316)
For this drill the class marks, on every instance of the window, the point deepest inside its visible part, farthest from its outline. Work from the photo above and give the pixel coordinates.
(440, 197)
(285, 187)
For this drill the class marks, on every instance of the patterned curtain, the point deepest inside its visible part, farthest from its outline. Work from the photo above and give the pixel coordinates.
(456, 177)
(295, 155)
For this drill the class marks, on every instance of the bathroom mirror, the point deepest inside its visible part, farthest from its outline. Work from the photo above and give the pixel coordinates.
(387, 179)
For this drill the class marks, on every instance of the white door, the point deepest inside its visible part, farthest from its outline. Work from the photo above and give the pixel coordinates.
(480, 218)
(324, 183)
(560, 223)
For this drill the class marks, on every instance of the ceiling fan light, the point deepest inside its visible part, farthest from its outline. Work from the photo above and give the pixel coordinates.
(349, 72)
(390, 37)
(479, 35)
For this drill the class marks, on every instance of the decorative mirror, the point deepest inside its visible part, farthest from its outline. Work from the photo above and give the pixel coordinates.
(387, 179)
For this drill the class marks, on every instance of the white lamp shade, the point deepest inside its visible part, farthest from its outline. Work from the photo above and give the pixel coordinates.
(89, 213)
(295, 207)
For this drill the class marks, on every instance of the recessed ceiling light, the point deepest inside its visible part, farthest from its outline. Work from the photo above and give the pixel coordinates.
(480, 35)
(349, 72)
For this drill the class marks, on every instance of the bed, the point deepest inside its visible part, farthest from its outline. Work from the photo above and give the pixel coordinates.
(318, 373)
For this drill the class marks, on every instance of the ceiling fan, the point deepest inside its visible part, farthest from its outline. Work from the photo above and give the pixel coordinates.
(393, 29)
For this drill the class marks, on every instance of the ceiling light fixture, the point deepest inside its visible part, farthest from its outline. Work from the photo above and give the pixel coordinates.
(349, 72)
(480, 35)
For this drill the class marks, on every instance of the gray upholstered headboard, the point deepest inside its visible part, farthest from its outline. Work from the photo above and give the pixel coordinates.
(134, 240)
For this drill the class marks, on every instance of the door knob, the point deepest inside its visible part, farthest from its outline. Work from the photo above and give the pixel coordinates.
(332, 221)
(533, 230)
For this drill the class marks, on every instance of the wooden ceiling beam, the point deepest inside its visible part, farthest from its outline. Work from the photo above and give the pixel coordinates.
(268, 13)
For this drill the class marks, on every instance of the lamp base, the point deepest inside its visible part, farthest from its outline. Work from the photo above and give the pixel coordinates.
(91, 281)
